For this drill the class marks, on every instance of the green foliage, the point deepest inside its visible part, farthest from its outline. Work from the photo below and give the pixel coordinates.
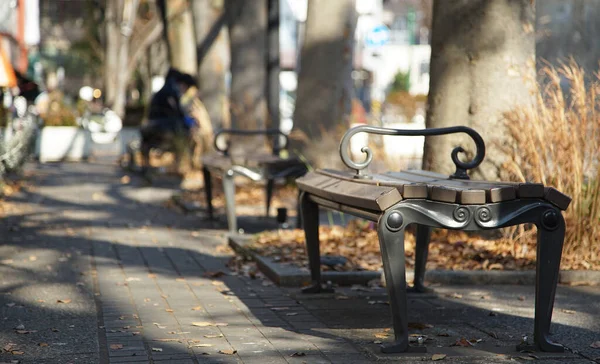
(401, 82)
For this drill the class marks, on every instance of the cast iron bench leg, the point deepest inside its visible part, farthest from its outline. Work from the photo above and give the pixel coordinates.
(310, 221)
(299, 211)
(391, 242)
(551, 232)
(208, 192)
(229, 190)
(421, 253)
(269, 191)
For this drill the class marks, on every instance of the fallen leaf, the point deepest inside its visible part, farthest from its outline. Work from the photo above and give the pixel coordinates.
(55, 330)
(419, 326)
(169, 310)
(11, 304)
(521, 298)
(462, 342)
(227, 352)
(436, 357)
(595, 345)
(132, 279)
(279, 308)
(492, 313)
(215, 274)
(157, 349)
(20, 327)
(202, 345)
(165, 340)
(291, 313)
(67, 300)
(179, 279)
(213, 336)
(151, 275)
(32, 258)
(525, 357)
(342, 297)
(377, 342)
(202, 324)
(221, 324)
(568, 311)
(493, 334)
(43, 344)
(444, 334)
(116, 346)
(382, 335)
(197, 308)
(22, 332)
(298, 353)
(17, 352)
(454, 295)
(125, 180)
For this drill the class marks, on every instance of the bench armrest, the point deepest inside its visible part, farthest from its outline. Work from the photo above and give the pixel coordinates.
(268, 132)
(461, 167)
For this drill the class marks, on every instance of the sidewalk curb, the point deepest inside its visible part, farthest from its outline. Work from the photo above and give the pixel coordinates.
(290, 276)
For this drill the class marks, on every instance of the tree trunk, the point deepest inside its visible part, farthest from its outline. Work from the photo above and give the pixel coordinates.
(211, 60)
(122, 76)
(324, 83)
(180, 35)
(247, 22)
(112, 49)
(482, 65)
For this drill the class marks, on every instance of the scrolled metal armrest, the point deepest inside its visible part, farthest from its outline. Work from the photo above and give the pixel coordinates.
(461, 167)
(250, 133)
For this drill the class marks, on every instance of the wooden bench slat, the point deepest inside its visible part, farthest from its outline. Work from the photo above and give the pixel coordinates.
(377, 198)
(407, 189)
(315, 184)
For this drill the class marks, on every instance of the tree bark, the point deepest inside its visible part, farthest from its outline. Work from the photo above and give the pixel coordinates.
(211, 59)
(122, 77)
(180, 35)
(482, 65)
(112, 49)
(324, 93)
(247, 23)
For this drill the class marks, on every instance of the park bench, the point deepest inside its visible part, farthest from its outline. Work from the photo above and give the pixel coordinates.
(429, 200)
(257, 166)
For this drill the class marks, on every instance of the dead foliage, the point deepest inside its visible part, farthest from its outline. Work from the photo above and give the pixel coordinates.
(556, 142)
(358, 243)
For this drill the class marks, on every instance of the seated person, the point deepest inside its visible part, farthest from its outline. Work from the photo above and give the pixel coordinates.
(167, 120)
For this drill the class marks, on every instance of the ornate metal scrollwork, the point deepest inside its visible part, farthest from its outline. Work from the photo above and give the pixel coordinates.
(461, 167)
(271, 132)
(461, 214)
(483, 215)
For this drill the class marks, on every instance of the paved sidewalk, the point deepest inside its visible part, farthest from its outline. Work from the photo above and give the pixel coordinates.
(96, 270)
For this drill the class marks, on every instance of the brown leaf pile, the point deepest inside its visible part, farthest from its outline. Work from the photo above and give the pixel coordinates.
(251, 195)
(358, 243)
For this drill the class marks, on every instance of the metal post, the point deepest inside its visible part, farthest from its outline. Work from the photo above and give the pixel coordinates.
(273, 67)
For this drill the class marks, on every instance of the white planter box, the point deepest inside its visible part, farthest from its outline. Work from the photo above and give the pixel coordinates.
(63, 143)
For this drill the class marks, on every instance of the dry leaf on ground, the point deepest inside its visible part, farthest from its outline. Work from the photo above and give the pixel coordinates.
(68, 300)
(213, 336)
(436, 357)
(215, 274)
(157, 349)
(462, 342)
(116, 346)
(228, 352)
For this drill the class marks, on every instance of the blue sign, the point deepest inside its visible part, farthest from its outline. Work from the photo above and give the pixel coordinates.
(378, 36)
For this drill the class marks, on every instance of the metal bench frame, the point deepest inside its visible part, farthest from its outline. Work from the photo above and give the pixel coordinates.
(256, 174)
(427, 214)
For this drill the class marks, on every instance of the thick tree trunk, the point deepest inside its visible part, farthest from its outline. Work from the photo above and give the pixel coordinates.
(324, 83)
(482, 65)
(180, 35)
(208, 18)
(122, 76)
(247, 22)
(111, 55)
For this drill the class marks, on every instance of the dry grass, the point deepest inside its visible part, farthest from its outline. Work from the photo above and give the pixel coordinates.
(556, 142)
